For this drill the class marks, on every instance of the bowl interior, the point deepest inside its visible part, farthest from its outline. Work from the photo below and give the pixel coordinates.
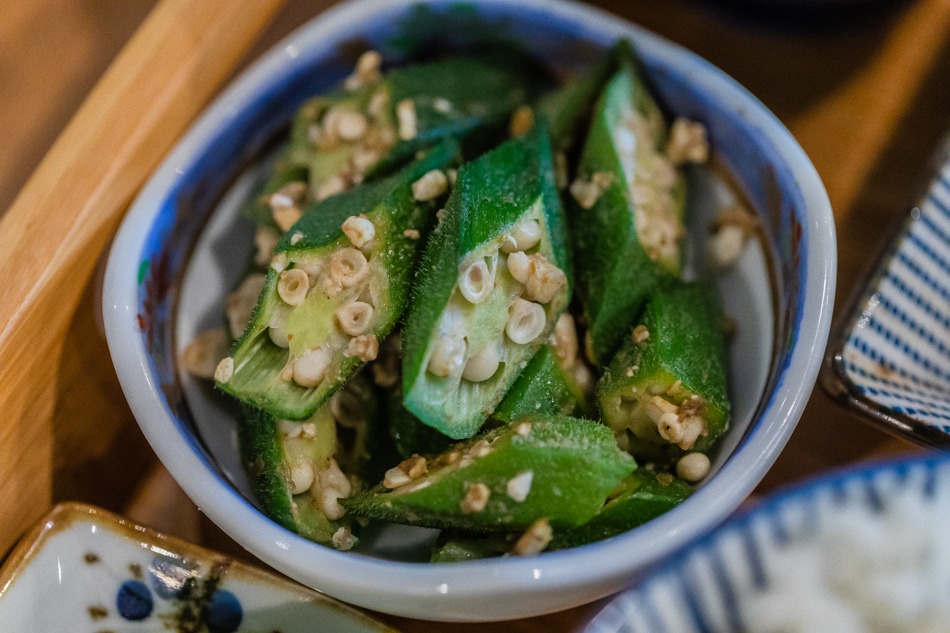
(187, 248)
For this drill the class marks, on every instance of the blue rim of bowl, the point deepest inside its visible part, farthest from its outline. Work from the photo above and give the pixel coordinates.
(775, 420)
(838, 481)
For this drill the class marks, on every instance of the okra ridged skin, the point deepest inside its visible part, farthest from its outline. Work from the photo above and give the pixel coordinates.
(555, 468)
(639, 498)
(317, 244)
(616, 269)
(495, 197)
(680, 366)
(544, 388)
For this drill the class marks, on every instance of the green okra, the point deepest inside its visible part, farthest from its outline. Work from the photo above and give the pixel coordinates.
(455, 547)
(331, 294)
(409, 434)
(258, 208)
(664, 393)
(640, 497)
(293, 467)
(627, 215)
(555, 468)
(494, 279)
(545, 387)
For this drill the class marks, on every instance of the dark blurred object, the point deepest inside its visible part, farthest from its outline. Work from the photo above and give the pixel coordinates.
(811, 15)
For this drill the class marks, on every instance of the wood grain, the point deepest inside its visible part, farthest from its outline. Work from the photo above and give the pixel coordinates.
(51, 236)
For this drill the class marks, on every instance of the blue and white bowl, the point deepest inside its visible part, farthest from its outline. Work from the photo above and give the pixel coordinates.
(834, 554)
(179, 249)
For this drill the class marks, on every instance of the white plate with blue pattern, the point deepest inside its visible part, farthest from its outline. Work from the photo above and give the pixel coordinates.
(845, 552)
(890, 359)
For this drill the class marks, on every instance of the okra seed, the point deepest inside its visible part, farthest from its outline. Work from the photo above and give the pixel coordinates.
(313, 271)
(481, 448)
(311, 367)
(366, 70)
(224, 370)
(693, 467)
(333, 477)
(482, 365)
(359, 230)
(670, 428)
(476, 498)
(534, 540)
(293, 286)
(415, 466)
(476, 283)
(348, 266)
(279, 262)
(432, 185)
(441, 104)
(287, 372)
(544, 279)
(523, 237)
(202, 355)
(565, 340)
(523, 429)
(351, 125)
(640, 334)
(346, 410)
(354, 318)
(641, 194)
(518, 265)
(584, 378)
(330, 187)
(278, 336)
(343, 539)
(406, 117)
(295, 238)
(521, 121)
(520, 485)
(448, 358)
(364, 346)
(288, 429)
(265, 241)
(363, 159)
(301, 477)
(412, 234)
(693, 427)
(726, 245)
(526, 321)
(394, 478)
(687, 142)
(308, 430)
(286, 217)
(330, 504)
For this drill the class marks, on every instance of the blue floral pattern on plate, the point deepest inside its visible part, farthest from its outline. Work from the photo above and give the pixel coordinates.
(84, 570)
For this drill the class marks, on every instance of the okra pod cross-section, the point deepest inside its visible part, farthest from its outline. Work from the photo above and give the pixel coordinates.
(664, 394)
(492, 283)
(337, 284)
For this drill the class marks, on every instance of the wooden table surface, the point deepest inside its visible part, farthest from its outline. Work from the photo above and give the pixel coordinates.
(864, 92)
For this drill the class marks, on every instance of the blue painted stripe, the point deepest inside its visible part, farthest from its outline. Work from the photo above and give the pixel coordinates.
(930, 482)
(652, 616)
(907, 320)
(754, 556)
(921, 413)
(851, 367)
(908, 350)
(730, 598)
(696, 612)
(917, 298)
(927, 221)
(873, 495)
(927, 250)
(940, 205)
(871, 352)
(899, 396)
(922, 275)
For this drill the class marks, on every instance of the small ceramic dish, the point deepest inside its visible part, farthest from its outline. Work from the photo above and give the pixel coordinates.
(775, 563)
(890, 355)
(85, 570)
(180, 248)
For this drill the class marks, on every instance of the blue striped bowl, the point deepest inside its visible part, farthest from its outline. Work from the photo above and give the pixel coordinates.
(703, 588)
(891, 356)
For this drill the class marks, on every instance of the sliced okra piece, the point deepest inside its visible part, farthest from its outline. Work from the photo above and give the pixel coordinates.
(627, 211)
(454, 547)
(300, 470)
(556, 381)
(568, 109)
(493, 281)
(409, 434)
(639, 498)
(554, 468)
(665, 391)
(375, 128)
(337, 284)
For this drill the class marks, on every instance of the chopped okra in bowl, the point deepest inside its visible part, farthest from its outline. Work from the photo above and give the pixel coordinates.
(469, 312)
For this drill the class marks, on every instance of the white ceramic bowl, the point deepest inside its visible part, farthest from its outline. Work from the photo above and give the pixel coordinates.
(170, 269)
